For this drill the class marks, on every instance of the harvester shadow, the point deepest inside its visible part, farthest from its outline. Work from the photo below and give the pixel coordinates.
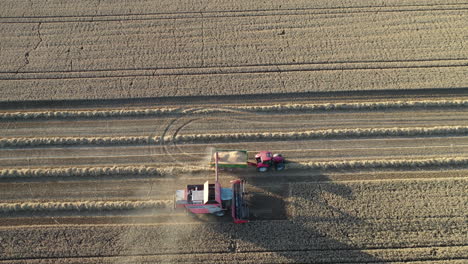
(298, 227)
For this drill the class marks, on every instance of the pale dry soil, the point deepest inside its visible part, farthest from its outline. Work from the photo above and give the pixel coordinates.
(56, 50)
(209, 71)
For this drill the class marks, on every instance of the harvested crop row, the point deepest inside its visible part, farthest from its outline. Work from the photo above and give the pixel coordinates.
(47, 141)
(315, 134)
(83, 206)
(264, 108)
(374, 164)
(208, 138)
(356, 106)
(145, 170)
(90, 171)
(90, 114)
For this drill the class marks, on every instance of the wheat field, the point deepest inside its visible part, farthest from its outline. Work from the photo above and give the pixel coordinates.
(108, 107)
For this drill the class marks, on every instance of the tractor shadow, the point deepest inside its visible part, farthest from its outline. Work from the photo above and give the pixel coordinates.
(297, 226)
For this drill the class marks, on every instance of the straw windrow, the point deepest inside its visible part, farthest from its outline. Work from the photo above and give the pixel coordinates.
(262, 108)
(83, 206)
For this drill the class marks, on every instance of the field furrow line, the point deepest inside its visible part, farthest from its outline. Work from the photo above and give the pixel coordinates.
(169, 170)
(216, 68)
(236, 70)
(83, 206)
(277, 108)
(207, 14)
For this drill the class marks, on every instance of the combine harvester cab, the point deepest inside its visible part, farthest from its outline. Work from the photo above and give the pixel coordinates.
(213, 199)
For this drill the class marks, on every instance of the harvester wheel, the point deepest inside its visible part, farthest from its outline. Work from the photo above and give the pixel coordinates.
(219, 213)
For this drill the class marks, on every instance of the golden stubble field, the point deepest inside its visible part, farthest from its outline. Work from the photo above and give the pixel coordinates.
(107, 107)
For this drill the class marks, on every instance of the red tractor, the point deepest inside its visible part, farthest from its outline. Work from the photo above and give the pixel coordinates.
(265, 160)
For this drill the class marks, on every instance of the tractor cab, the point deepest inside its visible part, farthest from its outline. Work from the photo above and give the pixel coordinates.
(265, 160)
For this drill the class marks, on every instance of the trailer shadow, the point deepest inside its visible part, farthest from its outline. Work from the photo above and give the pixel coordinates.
(297, 226)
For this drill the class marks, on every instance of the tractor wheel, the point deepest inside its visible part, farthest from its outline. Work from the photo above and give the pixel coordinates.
(219, 213)
(279, 166)
(262, 169)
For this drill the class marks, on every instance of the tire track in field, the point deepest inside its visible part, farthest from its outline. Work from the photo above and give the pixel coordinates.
(176, 132)
(163, 143)
(238, 69)
(247, 65)
(204, 111)
(235, 13)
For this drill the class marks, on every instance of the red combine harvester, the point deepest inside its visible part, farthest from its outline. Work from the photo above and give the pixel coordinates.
(213, 199)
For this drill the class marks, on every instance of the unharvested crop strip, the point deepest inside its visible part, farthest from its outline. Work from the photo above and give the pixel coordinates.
(83, 206)
(264, 108)
(319, 134)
